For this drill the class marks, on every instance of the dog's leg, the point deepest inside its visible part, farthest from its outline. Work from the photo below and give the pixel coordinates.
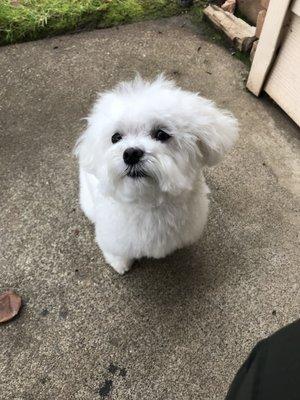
(119, 264)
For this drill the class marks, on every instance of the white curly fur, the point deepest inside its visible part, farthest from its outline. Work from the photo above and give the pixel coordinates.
(154, 215)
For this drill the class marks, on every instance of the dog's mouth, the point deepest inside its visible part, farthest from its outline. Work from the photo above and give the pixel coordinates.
(135, 172)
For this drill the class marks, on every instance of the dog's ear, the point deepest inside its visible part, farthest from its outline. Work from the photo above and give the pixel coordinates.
(85, 151)
(217, 132)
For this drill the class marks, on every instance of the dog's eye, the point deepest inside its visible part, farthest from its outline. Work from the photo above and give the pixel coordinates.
(116, 137)
(161, 135)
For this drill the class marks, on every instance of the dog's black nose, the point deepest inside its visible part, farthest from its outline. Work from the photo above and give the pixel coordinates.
(132, 155)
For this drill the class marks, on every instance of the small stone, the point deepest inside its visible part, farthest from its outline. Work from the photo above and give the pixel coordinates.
(186, 3)
(274, 312)
(44, 312)
(63, 313)
(10, 304)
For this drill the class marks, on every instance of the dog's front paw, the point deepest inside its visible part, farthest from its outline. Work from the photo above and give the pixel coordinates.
(119, 264)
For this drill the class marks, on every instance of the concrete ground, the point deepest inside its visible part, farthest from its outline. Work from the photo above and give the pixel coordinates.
(176, 328)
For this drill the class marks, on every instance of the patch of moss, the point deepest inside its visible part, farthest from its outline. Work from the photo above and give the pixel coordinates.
(32, 19)
(122, 11)
(244, 57)
(22, 20)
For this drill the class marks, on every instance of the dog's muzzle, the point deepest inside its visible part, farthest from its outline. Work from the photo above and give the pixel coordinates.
(132, 155)
(132, 158)
(134, 172)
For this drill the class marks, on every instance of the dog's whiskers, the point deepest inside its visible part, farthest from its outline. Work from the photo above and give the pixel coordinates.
(135, 172)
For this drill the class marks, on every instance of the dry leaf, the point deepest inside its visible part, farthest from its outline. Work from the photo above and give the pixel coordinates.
(15, 3)
(10, 304)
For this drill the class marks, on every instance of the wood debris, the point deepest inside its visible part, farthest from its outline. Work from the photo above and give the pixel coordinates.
(229, 6)
(237, 30)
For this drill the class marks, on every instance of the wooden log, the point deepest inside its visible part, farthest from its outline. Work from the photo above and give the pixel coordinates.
(237, 30)
(229, 6)
(260, 21)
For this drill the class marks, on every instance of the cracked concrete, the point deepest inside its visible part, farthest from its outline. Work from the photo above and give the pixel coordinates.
(176, 328)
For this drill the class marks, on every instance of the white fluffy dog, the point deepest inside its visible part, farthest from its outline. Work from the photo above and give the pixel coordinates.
(141, 160)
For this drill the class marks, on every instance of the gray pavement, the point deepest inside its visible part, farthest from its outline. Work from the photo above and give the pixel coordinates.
(176, 328)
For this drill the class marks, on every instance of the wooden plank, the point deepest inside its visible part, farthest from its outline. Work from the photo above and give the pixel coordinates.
(267, 44)
(296, 7)
(283, 83)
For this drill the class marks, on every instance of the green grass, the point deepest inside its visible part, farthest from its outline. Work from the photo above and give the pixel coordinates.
(22, 20)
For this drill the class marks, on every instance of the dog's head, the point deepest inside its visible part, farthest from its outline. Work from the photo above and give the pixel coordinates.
(148, 138)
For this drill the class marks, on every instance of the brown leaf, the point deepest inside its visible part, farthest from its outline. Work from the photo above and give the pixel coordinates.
(15, 3)
(10, 304)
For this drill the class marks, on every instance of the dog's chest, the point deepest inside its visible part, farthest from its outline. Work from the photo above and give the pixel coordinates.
(146, 221)
(148, 231)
